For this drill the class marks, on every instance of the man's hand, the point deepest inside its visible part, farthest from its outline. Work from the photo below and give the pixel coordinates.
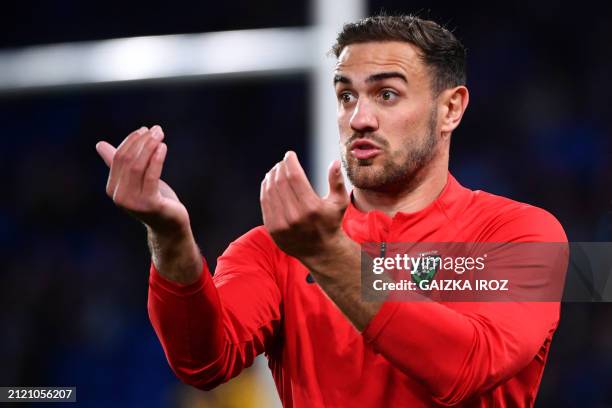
(309, 228)
(134, 184)
(134, 181)
(301, 223)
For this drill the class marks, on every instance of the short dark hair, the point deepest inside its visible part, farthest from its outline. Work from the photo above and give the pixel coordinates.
(439, 48)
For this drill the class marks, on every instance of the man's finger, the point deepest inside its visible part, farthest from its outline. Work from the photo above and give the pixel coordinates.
(132, 149)
(337, 191)
(119, 159)
(274, 217)
(291, 203)
(106, 151)
(143, 150)
(297, 178)
(150, 184)
(264, 198)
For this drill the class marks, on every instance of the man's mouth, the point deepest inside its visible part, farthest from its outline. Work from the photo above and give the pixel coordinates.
(364, 149)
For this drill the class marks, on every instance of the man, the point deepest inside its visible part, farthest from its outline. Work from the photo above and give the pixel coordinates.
(292, 287)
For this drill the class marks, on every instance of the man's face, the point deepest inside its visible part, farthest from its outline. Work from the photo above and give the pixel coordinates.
(386, 114)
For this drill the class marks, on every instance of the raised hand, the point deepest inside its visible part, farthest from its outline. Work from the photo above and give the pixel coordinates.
(301, 223)
(134, 181)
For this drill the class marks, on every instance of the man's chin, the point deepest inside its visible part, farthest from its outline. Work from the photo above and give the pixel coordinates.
(365, 176)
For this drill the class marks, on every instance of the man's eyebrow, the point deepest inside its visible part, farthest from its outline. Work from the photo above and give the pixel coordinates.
(386, 75)
(342, 79)
(372, 78)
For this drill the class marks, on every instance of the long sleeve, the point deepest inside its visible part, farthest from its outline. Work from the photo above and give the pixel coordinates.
(462, 350)
(212, 329)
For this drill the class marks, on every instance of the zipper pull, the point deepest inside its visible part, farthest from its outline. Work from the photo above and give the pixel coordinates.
(383, 249)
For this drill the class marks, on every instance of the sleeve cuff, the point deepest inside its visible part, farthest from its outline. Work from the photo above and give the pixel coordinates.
(379, 321)
(157, 281)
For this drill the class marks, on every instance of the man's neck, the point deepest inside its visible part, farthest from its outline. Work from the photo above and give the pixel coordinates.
(425, 191)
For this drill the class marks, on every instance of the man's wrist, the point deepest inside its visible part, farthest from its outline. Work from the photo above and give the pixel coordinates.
(339, 250)
(176, 255)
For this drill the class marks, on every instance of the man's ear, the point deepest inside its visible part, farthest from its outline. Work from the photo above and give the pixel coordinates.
(453, 103)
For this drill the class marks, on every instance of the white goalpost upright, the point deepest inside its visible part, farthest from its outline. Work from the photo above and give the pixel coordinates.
(328, 17)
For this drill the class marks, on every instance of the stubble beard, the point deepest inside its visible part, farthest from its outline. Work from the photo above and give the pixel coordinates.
(400, 170)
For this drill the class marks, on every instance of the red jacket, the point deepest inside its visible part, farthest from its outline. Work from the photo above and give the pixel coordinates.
(412, 354)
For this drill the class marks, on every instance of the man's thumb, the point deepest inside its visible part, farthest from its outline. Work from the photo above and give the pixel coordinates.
(337, 190)
(106, 151)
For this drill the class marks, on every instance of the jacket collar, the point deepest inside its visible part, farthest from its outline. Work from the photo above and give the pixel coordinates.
(375, 225)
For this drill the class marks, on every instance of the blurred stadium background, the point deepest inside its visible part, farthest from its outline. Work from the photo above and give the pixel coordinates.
(74, 279)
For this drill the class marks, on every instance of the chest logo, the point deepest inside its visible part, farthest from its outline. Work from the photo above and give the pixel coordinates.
(427, 267)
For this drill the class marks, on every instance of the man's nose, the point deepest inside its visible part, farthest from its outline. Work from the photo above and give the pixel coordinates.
(363, 118)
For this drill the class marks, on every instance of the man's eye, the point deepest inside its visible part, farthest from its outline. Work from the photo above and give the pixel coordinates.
(387, 95)
(346, 97)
